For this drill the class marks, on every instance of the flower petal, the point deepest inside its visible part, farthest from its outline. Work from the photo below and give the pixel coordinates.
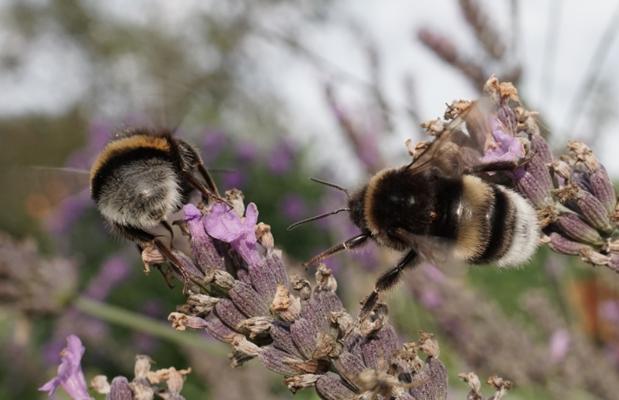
(221, 223)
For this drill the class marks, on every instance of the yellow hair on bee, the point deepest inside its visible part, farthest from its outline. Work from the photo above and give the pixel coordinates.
(369, 200)
(128, 143)
(476, 197)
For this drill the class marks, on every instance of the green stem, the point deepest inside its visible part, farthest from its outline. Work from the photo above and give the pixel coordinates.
(128, 319)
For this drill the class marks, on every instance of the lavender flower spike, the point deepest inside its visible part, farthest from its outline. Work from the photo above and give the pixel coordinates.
(70, 375)
(298, 330)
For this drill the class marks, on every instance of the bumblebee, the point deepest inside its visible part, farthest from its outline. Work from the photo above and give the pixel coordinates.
(442, 205)
(142, 177)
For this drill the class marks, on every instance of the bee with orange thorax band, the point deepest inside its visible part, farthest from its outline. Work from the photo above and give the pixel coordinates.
(140, 178)
(443, 204)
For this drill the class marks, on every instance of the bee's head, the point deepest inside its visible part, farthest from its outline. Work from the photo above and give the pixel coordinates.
(356, 205)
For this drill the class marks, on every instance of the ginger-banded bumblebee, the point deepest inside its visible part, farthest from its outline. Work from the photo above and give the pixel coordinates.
(444, 204)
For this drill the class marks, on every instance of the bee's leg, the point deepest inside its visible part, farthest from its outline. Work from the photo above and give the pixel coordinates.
(351, 243)
(176, 264)
(210, 183)
(206, 193)
(168, 227)
(190, 161)
(141, 237)
(498, 166)
(158, 266)
(166, 276)
(387, 281)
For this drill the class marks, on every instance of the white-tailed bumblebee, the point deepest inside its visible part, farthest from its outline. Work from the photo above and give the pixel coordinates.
(143, 176)
(441, 205)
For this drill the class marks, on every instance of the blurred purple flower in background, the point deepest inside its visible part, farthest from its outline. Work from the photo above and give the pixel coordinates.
(293, 207)
(70, 375)
(68, 213)
(281, 157)
(233, 179)
(246, 151)
(112, 272)
(559, 345)
(213, 143)
(99, 134)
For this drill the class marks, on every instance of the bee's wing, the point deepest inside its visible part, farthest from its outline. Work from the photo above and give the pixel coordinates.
(434, 249)
(36, 190)
(461, 143)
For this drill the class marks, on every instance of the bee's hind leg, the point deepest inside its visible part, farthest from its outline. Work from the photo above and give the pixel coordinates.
(206, 192)
(387, 281)
(143, 239)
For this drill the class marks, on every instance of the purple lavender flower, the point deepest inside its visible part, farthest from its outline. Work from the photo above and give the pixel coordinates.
(246, 152)
(70, 375)
(213, 143)
(281, 158)
(559, 345)
(224, 224)
(296, 329)
(507, 147)
(233, 179)
(113, 271)
(293, 207)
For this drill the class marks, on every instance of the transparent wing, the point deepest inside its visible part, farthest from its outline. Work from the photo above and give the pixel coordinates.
(460, 144)
(37, 191)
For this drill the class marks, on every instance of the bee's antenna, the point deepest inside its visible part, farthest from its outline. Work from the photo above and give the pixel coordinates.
(314, 218)
(333, 185)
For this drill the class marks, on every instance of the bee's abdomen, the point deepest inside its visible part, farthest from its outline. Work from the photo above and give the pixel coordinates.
(137, 187)
(496, 225)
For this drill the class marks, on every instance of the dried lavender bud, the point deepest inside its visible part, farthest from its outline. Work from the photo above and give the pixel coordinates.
(120, 389)
(331, 387)
(255, 326)
(100, 384)
(285, 306)
(534, 189)
(574, 227)
(294, 383)
(594, 212)
(302, 286)
(264, 236)
(473, 381)
(603, 189)
(561, 244)
(593, 257)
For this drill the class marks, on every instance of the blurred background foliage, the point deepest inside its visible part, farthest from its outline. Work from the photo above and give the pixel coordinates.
(192, 67)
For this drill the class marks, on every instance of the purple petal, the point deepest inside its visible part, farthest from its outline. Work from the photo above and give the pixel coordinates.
(223, 224)
(508, 147)
(251, 217)
(70, 375)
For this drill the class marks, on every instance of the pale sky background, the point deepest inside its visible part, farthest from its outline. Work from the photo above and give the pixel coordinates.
(53, 74)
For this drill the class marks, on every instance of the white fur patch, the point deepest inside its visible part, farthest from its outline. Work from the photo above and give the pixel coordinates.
(526, 233)
(129, 214)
